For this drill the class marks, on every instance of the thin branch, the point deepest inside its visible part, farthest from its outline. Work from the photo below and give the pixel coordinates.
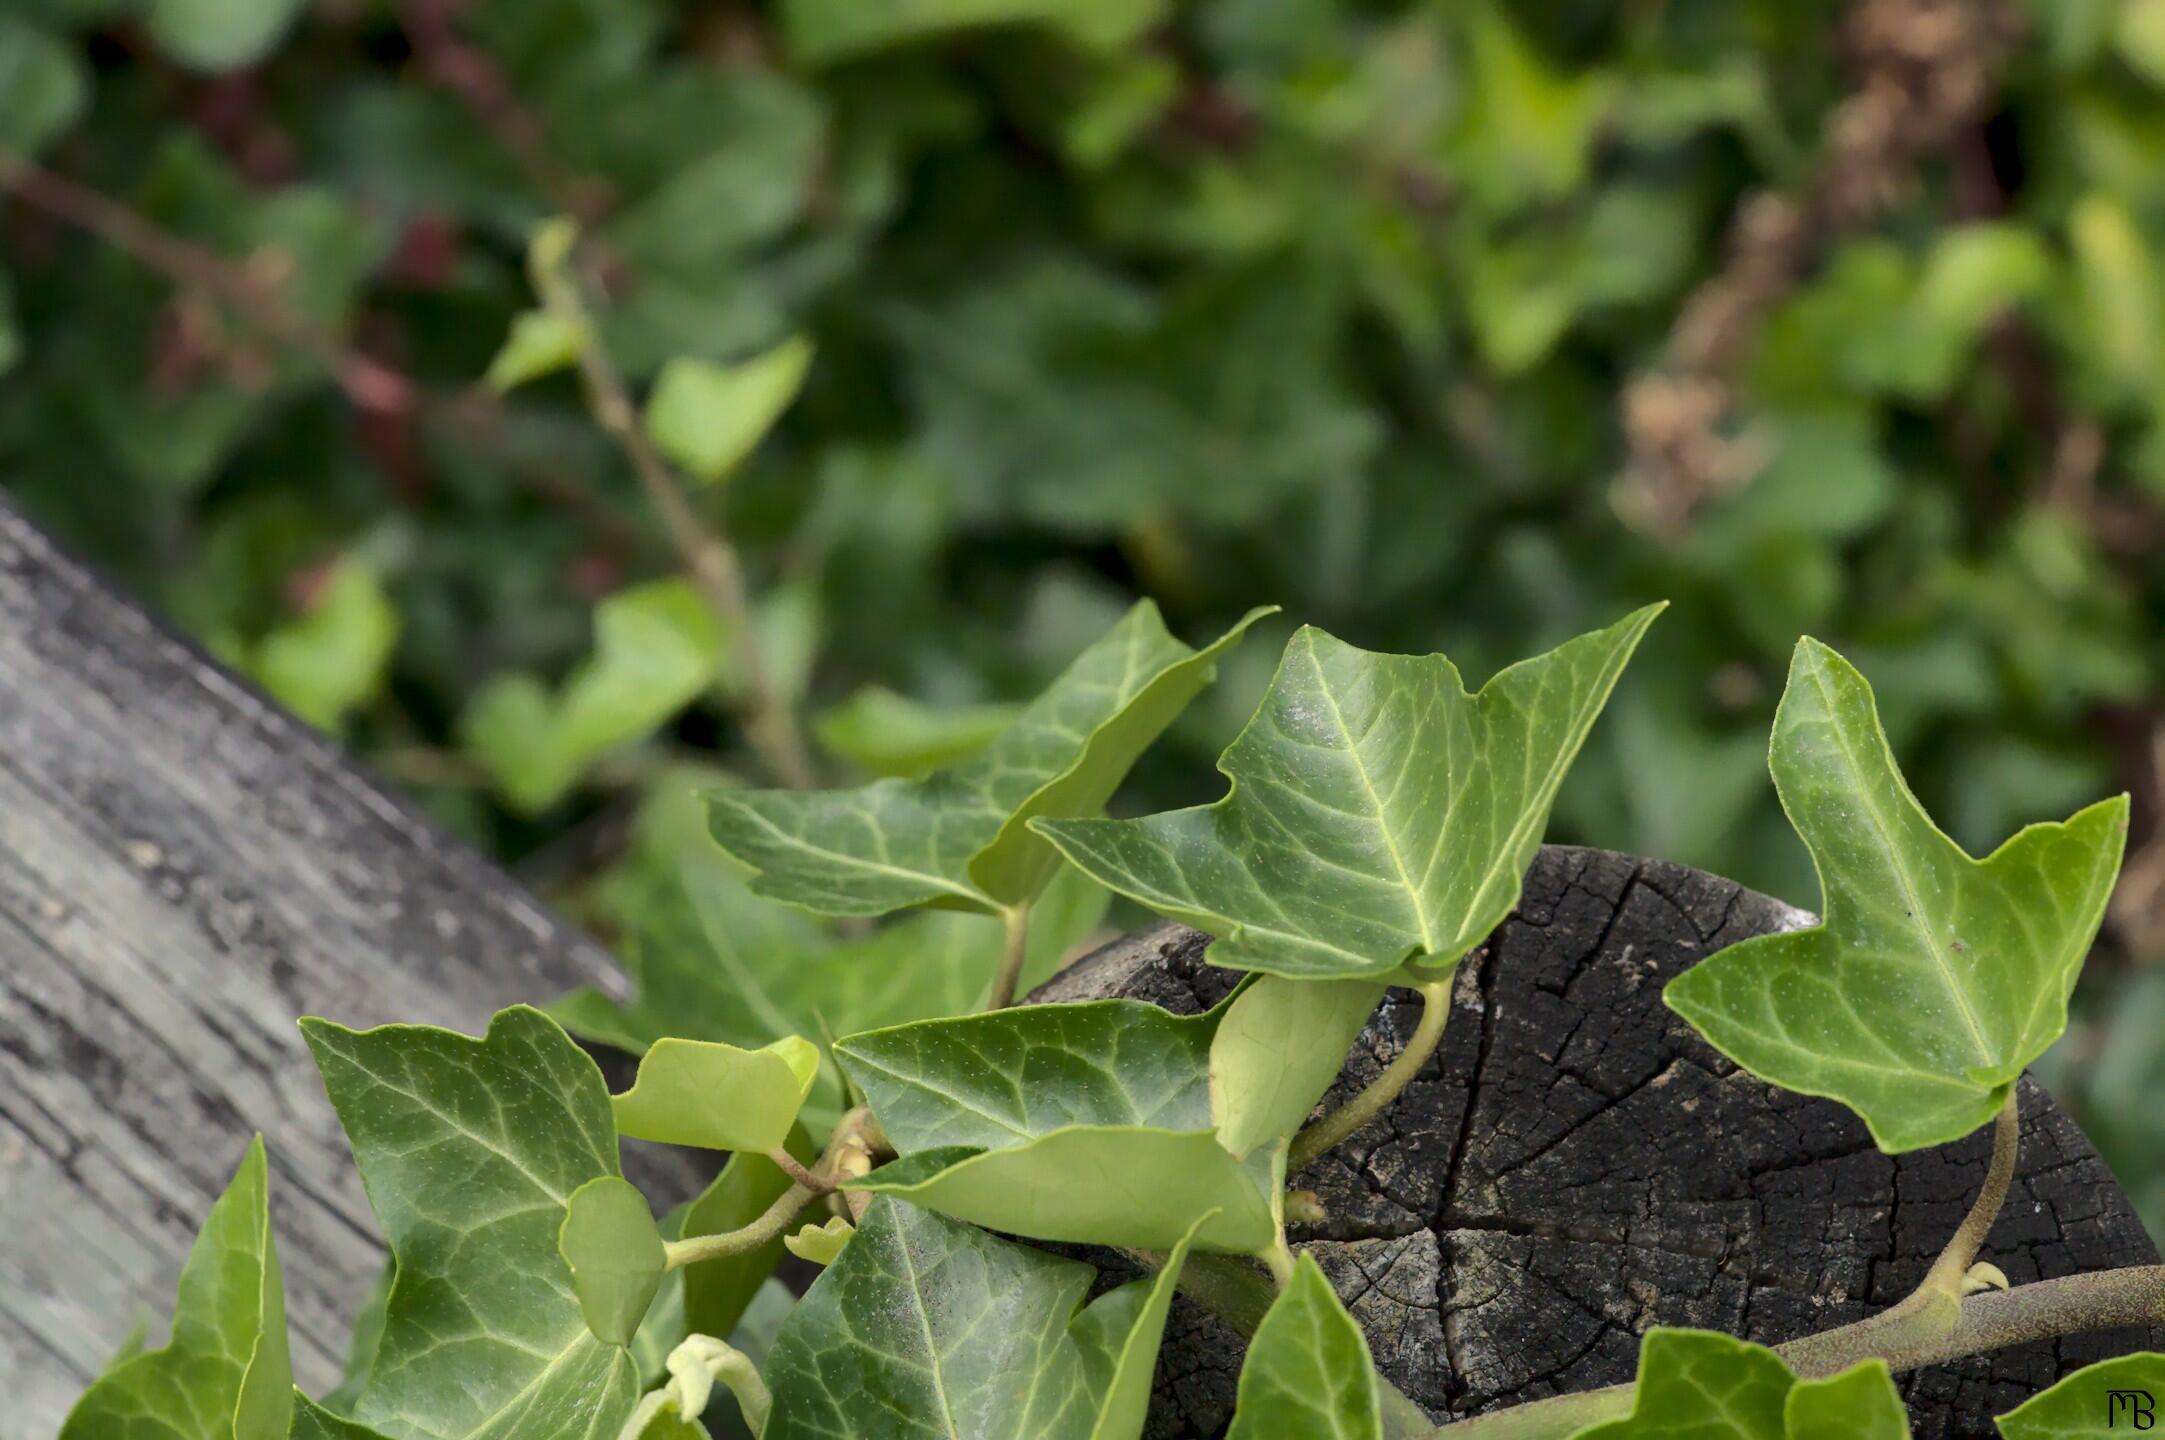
(767, 1228)
(798, 1171)
(369, 384)
(1990, 1320)
(707, 555)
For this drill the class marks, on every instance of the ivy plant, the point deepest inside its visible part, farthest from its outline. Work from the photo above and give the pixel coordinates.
(1378, 826)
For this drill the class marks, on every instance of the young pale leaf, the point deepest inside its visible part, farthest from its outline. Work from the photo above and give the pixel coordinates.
(1099, 1185)
(1935, 978)
(2098, 1402)
(1281, 1044)
(884, 733)
(708, 417)
(715, 962)
(1700, 1385)
(615, 1253)
(656, 648)
(976, 1336)
(1308, 1373)
(1088, 1122)
(1378, 814)
(820, 1244)
(718, 1097)
(541, 342)
(471, 1150)
(1861, 1403)
(225, 1375)
(957, 839)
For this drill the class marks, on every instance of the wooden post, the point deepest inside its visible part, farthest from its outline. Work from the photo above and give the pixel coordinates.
(184, 869)
(1574, 1164)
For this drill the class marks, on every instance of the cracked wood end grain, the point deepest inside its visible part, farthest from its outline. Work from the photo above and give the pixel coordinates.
(1575, 1165)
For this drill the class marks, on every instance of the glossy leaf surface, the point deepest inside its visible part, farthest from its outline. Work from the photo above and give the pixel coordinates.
(926, 1329)
(2084, 1405)
(1700, 1385)
(957, 838)
(1935, 978)
(1087, 1122)
(225, 1374)
(483, 1337)
(1378, 815)
(1308, 1372)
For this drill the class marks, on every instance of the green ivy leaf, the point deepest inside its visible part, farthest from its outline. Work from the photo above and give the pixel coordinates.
(225, 1375)
(1378, 815)
(822, 32)
(43, 88)
(656, 648)
(1085, 1122)
(219, 34)
(718, 1097)
(1935, 978)
(2079, 1407)
(957, 839)
(540, 342)
(1861, 1403)
(333, 658)
(471, 1150)
(715, 962)
(312, 1422)
(883, 733)
(1279, 1047)
(708, 418)
(615, 1254)
(1701, 1385)
(976, 1336)
(1308, 1372)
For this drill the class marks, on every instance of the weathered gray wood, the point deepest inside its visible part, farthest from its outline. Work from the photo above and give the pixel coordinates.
(184, 869)
(1575, 1165)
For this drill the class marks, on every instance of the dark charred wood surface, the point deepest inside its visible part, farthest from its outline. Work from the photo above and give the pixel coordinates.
(1576, 1165)
(184, 869)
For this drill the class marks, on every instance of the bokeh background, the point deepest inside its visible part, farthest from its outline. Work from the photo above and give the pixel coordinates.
(1444, 325)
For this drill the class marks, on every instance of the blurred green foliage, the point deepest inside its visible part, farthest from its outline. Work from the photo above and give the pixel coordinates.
(1329, 303)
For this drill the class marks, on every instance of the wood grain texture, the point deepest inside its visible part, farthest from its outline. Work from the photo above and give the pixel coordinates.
(1575, 1164)
(184, 869)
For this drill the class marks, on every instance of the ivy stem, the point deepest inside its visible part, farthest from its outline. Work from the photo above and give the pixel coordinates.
(1371, 1102)
(1016, 950)
(798, 1171)
(1989, 1320)
(708, 555)
(767, 1228)
(848, 1155)
(1279, 1257)
(1954, 1262)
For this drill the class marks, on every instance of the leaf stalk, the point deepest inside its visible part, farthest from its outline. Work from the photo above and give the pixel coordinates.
(1373, 1101)
(1013, 953)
